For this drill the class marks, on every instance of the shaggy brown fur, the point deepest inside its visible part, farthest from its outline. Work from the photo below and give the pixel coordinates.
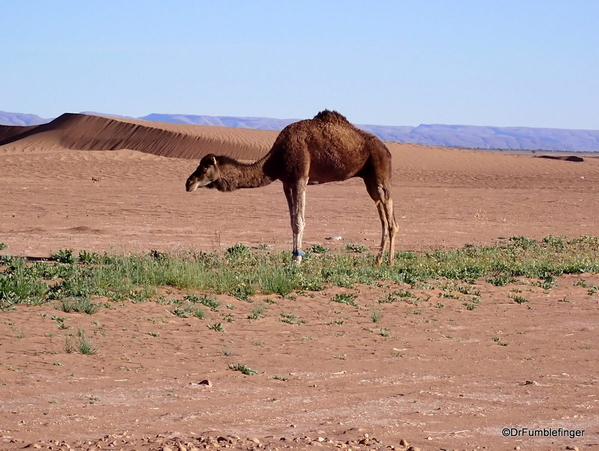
(324, 149)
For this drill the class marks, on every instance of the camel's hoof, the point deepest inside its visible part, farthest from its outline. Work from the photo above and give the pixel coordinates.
(298, 256)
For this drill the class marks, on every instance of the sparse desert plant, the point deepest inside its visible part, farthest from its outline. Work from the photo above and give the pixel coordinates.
(2, 246)
(520, 299)
(89, 258)
(500, 280)
(396, 296)
(257, 312)
(318, 249)
(499, 341)
(82, 345)
(345, 298)
(208, 301)
(218, 327)
(290, 318)
(356, 248)
(243, 292)
(79, 305)
(375, 315)
(243, 368)
(64, 256)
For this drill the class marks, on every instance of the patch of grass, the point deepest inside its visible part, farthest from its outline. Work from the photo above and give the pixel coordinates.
(243, 368)
(79, 305)
(244, 272)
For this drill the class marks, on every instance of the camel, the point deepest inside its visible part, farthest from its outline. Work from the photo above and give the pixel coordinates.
(327, 148)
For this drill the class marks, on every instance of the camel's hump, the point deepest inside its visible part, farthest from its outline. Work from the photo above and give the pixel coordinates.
(330, 116)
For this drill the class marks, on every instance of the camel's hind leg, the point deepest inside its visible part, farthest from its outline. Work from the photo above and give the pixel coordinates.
(384, 205)
(296, 201)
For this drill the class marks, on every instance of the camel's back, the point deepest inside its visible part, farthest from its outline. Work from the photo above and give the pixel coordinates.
(329, 147)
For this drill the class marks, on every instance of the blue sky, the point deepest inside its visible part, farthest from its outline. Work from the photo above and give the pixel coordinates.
(480, 62)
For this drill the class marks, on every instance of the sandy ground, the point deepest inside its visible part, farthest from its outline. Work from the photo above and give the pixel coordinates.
(438, 378)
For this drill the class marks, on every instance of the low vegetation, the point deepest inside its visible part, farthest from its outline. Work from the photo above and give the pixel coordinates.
(76, 281)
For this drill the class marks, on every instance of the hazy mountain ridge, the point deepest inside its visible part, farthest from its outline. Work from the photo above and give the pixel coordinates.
(468, 136)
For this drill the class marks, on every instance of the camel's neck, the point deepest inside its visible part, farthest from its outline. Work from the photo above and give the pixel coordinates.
(235, 175)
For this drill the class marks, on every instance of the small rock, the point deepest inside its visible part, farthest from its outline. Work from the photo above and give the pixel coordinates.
(254, 440)
(531, 383)
(404, 442)
(574, 448)
(334, 238)
(413, 448)
(167, 448)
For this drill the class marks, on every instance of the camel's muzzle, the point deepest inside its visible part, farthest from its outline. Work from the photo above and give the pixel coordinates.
(191, 185)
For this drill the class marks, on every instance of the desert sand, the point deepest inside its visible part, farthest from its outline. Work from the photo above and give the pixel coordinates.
(438, 381)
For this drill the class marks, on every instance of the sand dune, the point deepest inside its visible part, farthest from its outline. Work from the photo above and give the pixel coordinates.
(89, 132)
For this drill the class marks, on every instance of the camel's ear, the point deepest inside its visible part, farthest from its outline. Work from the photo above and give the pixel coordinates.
(207, 161)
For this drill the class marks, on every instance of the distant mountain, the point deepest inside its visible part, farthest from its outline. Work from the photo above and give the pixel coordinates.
(467, 136)
(480, 137)
(21, 119)
(258, 123)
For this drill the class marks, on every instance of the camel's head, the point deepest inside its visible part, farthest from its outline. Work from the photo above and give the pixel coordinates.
(205, 174)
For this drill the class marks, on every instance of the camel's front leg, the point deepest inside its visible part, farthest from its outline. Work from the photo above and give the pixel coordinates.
(296, 200)
(384, 231)
(392, 225)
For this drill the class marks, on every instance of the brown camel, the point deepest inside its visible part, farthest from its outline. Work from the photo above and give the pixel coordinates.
(324, 149)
